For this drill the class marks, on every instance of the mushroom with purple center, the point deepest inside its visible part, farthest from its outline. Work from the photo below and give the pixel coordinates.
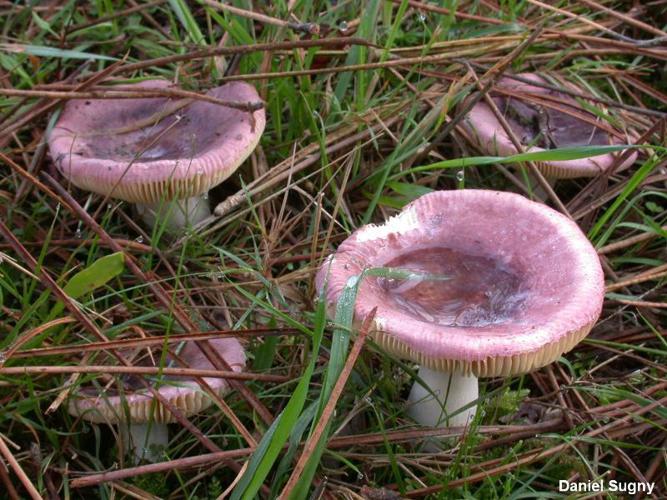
(142, 419)
(493, 285)
(161, 153)
(544, 119)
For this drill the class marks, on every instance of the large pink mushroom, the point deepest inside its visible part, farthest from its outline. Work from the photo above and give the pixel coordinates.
(544, 119)
(141, 418)
(152, 151)
(494, 285)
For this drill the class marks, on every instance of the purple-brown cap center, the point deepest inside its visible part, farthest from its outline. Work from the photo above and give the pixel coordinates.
(451, 288)
(178, 135)
(550, 128)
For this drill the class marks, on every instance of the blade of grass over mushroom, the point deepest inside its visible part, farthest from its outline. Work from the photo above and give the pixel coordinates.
(338, 354)
(344, 318)
(560, 154)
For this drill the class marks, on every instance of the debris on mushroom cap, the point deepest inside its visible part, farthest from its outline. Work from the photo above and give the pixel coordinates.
(145, 150)
(498, 284)
(183, 393)
(544, 119)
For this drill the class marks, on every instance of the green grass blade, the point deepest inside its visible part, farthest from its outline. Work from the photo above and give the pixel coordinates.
(98, 274)
(632, 184)
(187, 20)
(274, 439)
(339, 349)
(42, 51)
(561, 154)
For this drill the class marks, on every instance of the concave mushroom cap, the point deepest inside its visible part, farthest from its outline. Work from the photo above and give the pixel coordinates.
(523, 285)
(184, 154)
(487, 132)
(182, 392)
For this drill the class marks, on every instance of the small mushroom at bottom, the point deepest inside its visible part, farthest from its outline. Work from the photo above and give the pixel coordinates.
(495, 285)
(141, 419)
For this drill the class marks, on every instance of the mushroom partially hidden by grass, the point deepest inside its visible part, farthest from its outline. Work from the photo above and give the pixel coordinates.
(142, 420)
(160, 153)
(493, 285)
(544, 119)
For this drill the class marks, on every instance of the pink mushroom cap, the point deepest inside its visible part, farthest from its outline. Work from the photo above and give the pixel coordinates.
(486, 131)
(141, 151)
(182, 392)
(500, 285)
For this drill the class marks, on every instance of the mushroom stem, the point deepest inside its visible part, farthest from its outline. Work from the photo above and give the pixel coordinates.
(453, 391)
(146, 441)
(176, 215)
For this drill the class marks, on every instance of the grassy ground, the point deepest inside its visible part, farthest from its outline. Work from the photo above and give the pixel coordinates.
(338, 152)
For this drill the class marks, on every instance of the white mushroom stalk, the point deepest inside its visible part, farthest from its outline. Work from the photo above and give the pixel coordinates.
(145, 441)
(176, 215)
(448, 400)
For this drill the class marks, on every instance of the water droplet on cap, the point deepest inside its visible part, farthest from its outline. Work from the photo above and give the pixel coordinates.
(342, 26)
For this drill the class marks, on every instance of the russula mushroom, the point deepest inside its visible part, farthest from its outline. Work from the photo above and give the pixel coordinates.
(543, 119)
(141, 419)
(493, 285)
(162, 154)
